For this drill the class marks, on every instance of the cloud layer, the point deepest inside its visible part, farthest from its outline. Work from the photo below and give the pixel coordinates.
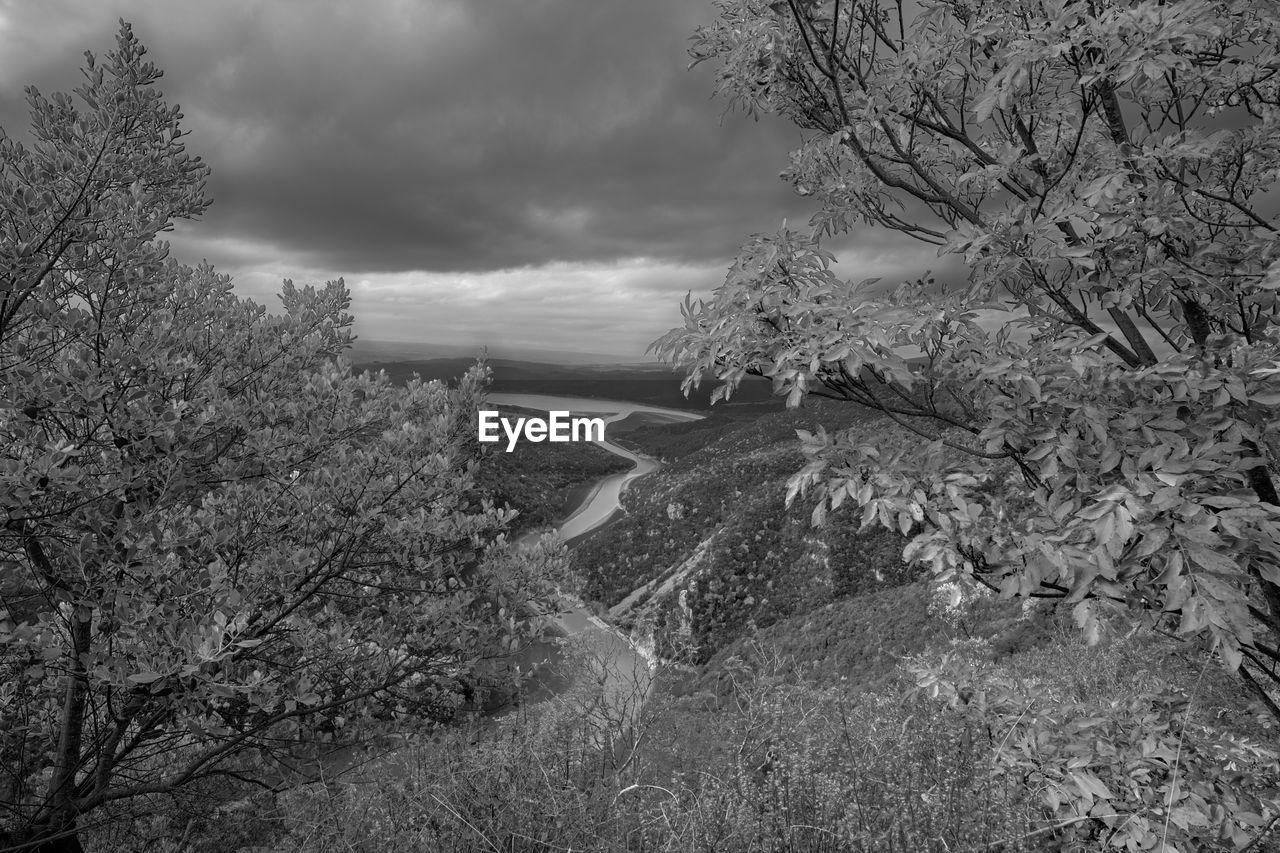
(549, 166)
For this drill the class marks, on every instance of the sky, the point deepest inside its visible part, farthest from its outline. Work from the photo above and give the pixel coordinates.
(522, 174)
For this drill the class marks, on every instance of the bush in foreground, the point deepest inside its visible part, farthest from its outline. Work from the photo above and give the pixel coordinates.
(1060, 748)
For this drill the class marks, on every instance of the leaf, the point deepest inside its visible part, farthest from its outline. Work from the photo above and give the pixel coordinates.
(1231, 654)
(1271, 398)
(1104, 531)
(1193, 618)
(1172, 569)
(1090, 785)
(1213, 560)
(1268, 570)
(145, 677)
(1080, 724)
(1086, 620)
(1185, 816)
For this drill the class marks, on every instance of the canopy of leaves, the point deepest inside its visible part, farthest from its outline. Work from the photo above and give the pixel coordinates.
(213, 536)
(1097, 402)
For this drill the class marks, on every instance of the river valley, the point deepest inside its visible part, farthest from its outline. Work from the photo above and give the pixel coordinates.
(622, 668)
(605, 497)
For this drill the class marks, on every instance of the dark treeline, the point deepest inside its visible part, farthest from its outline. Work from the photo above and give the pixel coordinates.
(655, 386)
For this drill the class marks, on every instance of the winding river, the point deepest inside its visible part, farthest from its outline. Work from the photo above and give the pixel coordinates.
(606, 498)
(623, 668)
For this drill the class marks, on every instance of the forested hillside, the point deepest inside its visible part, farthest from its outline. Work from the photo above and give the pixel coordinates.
(642, 383)
(543, 482)
(709, 544)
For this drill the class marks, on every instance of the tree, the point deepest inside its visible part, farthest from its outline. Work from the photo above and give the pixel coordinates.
(1098, 399)
(213, 536)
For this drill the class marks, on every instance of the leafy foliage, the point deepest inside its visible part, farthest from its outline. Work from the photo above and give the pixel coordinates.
(1100, 396)
(1117, 755)
(213, 536)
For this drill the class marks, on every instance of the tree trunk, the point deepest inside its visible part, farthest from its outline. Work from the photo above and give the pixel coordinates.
(62, 788)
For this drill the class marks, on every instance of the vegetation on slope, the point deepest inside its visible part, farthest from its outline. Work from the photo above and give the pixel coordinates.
(773, 752)
(543, 482)
(716, 517)
(649, 383)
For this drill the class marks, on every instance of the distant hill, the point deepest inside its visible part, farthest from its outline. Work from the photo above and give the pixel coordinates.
(561, 372)
(370, 351)
(654, 384)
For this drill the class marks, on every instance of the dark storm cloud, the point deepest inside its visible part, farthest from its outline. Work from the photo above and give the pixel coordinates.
(451, 135)
(399, 142)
